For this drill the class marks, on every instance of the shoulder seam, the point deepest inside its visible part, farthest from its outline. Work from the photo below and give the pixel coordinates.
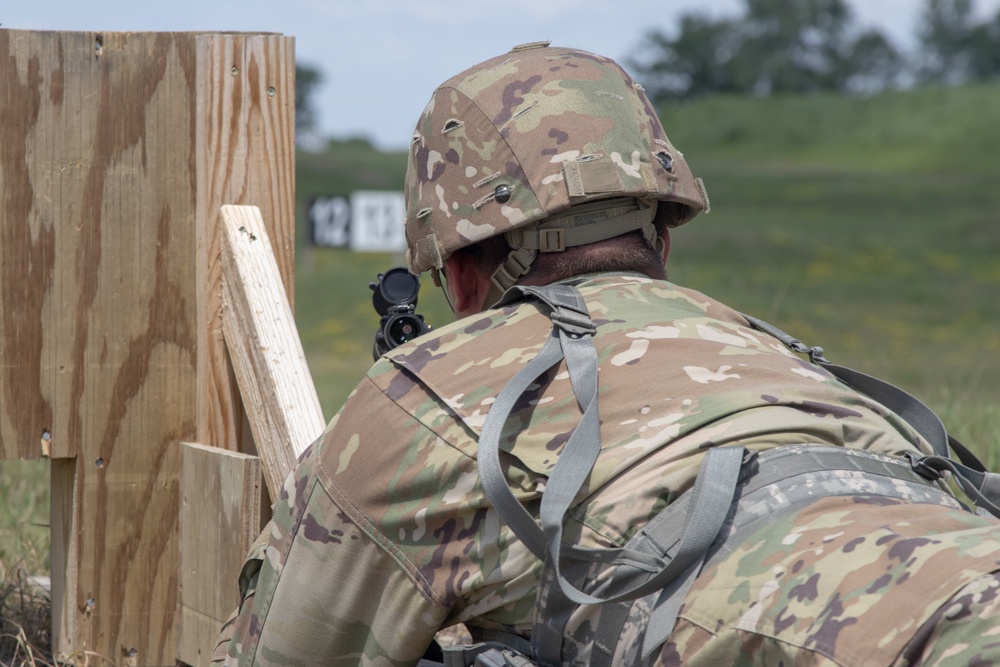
(369, 529)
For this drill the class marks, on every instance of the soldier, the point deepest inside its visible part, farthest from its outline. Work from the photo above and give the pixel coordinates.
(548, 166)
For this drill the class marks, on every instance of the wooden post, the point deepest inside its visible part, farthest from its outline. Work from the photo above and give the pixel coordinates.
(116, 152)
(220, 518)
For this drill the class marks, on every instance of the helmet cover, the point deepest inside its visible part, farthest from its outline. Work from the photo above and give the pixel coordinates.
(522, 137)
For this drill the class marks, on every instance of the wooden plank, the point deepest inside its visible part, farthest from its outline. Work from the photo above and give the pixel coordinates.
(270, 366)
(63, 516)
(245, 151)
(116, 150)
(41, 307)
(97, 264)
(219, 520)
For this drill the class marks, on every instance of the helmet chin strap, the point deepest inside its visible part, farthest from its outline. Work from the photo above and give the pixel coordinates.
(586, 223)
(436, 275)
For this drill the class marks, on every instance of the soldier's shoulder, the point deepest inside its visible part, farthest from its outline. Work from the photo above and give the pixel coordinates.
(475, 331)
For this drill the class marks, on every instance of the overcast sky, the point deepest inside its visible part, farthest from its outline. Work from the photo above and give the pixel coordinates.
(381, 59)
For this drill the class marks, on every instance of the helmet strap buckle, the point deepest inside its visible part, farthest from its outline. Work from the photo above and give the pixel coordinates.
(518, 263)
(552, 240)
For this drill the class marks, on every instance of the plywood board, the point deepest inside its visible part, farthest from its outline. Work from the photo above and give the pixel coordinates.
(219, 520)
(245, 152)
(116, 151)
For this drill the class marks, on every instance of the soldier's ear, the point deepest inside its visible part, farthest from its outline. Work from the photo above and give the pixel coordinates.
(467, 286)
(665, 236)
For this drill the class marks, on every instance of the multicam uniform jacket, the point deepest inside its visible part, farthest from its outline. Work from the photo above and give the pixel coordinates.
(382, 535)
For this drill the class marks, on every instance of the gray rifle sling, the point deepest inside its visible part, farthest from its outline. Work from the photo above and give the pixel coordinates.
(637, 573)
(982, 486)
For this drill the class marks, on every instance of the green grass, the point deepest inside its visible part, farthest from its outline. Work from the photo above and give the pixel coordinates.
(24, 519)
(926, 129)
(25, 632)
(885, 272)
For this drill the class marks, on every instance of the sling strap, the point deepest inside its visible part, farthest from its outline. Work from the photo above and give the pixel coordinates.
(571, 339)
(772, 485)
(982, 486)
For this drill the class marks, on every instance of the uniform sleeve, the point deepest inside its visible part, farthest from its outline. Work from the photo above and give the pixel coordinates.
(317, 590)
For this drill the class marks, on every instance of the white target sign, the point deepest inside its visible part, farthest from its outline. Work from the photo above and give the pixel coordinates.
(368, 221)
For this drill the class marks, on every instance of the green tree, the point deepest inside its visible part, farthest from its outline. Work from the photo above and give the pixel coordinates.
(699, 60)
(953, 46)
(984, 44)
(874, 63)
(307, 79)
(797, 45)
(777, 46)
(945, 35)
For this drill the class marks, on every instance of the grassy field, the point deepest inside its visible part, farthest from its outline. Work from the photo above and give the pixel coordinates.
(868, 226)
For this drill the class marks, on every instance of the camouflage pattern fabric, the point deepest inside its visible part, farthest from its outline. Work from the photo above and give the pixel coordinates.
(525, 136)
(859, 580)
(382, 535)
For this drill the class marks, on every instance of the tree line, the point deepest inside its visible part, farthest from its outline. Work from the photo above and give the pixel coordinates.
(787, 46)
(804, 46)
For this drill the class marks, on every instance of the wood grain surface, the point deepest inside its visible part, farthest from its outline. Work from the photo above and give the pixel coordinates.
(270, 366)
(116, 152)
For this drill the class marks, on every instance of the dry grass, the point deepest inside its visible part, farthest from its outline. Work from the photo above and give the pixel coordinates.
(25, 605)
(25, 627)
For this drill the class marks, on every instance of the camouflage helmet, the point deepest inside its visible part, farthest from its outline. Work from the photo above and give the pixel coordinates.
(552, 147)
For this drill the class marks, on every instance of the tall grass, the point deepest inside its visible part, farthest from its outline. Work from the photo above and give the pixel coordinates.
(24, 519)
(926, 129)
(25, 635)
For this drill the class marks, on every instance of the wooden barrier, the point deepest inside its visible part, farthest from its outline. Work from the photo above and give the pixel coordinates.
(220, 517)
(220, 491)
(117, 151)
